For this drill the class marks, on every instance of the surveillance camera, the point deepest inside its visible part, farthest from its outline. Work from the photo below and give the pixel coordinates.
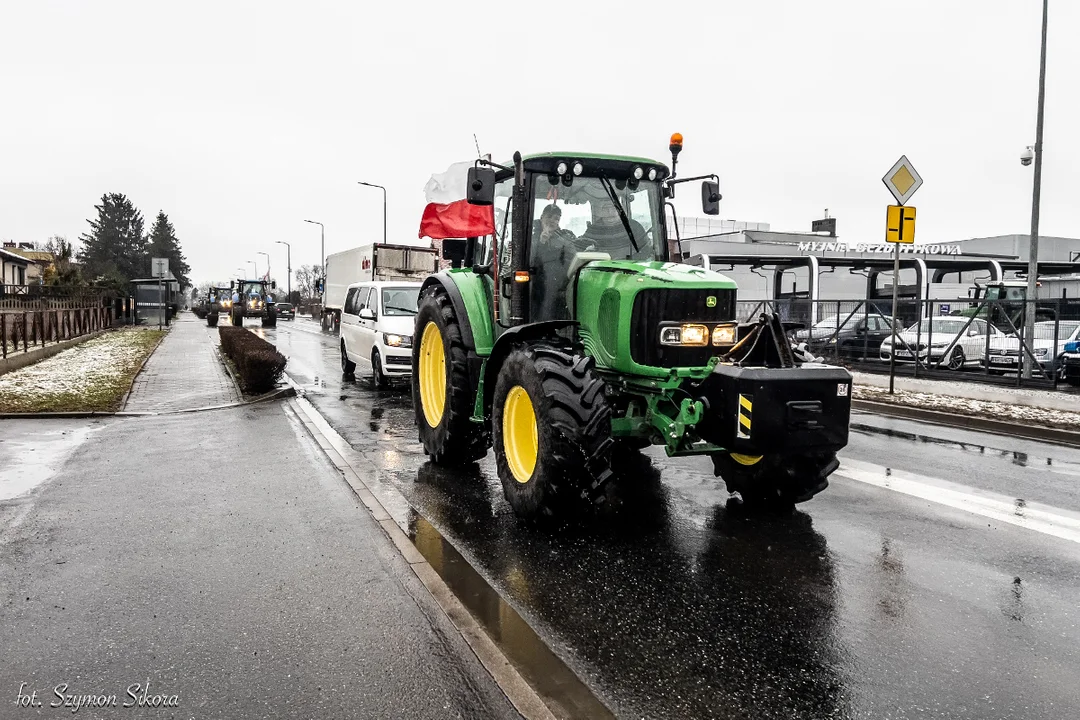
(1027, 156)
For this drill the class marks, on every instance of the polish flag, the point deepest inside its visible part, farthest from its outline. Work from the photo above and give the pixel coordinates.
(448, 214)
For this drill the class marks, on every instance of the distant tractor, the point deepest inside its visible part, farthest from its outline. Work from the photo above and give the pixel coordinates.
(252, 298)
(568, 335)
(217, 299)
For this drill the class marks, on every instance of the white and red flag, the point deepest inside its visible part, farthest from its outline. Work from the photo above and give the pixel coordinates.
(448, 214)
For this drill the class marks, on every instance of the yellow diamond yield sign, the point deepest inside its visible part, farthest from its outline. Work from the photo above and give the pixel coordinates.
(902, 180)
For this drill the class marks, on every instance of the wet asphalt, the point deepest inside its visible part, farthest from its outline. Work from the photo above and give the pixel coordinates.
(866, 602)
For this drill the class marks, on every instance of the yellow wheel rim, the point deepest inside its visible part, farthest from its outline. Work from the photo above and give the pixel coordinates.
(432, 375)
(519, 434)
(746, 459)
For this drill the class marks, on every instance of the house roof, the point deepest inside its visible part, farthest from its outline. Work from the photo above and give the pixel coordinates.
(34, 255)
(10, 256)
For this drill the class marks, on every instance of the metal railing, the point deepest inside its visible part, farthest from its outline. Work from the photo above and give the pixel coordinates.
(38, 328)
(980, 340)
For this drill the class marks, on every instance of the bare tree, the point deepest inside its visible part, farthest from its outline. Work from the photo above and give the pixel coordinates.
(306, 277)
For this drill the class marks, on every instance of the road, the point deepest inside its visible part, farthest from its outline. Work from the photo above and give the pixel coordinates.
(936, 577)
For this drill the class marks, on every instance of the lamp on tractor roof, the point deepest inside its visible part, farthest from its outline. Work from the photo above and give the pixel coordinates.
(675, 146)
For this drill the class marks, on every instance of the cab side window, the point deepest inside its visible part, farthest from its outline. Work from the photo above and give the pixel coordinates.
(350, 302)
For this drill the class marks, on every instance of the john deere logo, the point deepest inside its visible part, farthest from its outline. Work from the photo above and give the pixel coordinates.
(710, 301)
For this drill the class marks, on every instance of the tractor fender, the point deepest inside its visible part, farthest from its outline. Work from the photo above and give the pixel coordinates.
(506, 342)
(469, 298)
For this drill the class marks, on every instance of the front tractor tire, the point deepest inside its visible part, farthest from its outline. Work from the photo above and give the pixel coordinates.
(269, 318)
(236, 316)
(552, 432)
(443, 395)
(212, 319)
(775, 481)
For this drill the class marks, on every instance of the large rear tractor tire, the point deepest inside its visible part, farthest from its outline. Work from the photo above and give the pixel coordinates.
(552, 432)
(211, 320)
(443, 395)
(236, 317)
(775, 481)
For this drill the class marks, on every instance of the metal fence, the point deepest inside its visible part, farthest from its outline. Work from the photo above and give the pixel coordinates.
(53, 297)
(980, 340)
(38, 328)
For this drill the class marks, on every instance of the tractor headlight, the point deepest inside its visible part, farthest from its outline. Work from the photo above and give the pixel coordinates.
(723, 335)
(393, 340)
(578, 168)
(562, 168)
(639, 172)
(652, 173)
(693, 335)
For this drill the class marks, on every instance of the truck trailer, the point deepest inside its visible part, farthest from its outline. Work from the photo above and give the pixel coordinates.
(371, 262)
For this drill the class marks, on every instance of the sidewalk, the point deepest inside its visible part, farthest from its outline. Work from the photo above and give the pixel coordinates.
(1027, 397)
(184, 372)
(222, 558)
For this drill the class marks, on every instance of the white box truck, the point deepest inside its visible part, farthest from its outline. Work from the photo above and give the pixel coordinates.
(372, 262)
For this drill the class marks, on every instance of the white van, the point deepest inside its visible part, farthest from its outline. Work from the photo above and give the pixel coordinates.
(377, 328)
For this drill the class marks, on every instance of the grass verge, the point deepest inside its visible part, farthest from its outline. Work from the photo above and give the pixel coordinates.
(93, 376)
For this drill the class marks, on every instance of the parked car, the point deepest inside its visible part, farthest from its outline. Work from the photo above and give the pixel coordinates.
(1070, 362)
(286, 311)
(860, 336)
(377, 328)
(940, 342)
(1005, 353)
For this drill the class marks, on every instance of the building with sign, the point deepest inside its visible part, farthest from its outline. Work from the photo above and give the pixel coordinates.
(770, 265)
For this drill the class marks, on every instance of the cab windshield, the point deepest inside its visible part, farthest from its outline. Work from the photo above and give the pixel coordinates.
(585, 217)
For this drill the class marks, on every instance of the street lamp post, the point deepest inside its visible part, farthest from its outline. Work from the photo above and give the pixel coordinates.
(1036, 192)
(373, 185)
(322, 259)
(267, 263)
(256, 265)
(288, 261)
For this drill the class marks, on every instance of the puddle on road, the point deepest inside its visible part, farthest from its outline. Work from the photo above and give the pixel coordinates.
(542, 669)
(28, 459)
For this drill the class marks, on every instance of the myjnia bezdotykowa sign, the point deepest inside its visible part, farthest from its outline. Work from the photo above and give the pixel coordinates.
(815, 247)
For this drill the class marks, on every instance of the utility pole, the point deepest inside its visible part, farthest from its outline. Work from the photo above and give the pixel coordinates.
(1036, 192)
(372, 185)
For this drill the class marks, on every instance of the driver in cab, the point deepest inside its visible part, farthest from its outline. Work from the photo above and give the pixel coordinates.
(606, 229)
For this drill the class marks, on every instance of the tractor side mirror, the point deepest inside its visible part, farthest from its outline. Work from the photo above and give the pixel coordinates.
(481, 186)
(710, 197)
(273, 284)
(453, 249)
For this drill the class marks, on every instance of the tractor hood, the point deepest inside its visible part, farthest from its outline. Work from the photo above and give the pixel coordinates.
(663, 273)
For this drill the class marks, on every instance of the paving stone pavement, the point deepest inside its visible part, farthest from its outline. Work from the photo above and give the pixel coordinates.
(184, 372)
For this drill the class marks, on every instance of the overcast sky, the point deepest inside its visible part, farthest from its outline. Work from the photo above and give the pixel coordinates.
(240, 120)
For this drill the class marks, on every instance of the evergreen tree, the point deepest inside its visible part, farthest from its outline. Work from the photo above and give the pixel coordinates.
(115, 247)
(163, 243)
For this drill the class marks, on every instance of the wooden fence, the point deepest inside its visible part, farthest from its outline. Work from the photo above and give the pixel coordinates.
(37, 328)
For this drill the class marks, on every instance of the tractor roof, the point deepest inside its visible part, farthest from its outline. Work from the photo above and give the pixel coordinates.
(592, 156)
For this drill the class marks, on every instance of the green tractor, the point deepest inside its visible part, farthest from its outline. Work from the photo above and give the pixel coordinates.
(1006, 302)
(217, 299)
(252, 298)
(567, 335)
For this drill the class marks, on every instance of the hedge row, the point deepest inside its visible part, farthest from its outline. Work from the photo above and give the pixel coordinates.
(258, 362)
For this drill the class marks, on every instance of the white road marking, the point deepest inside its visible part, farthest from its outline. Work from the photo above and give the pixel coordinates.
(1015, 511)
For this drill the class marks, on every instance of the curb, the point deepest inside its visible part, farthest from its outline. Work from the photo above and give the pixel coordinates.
(1057, 436)
(278, 394)
(127, 395)
(517, 690)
